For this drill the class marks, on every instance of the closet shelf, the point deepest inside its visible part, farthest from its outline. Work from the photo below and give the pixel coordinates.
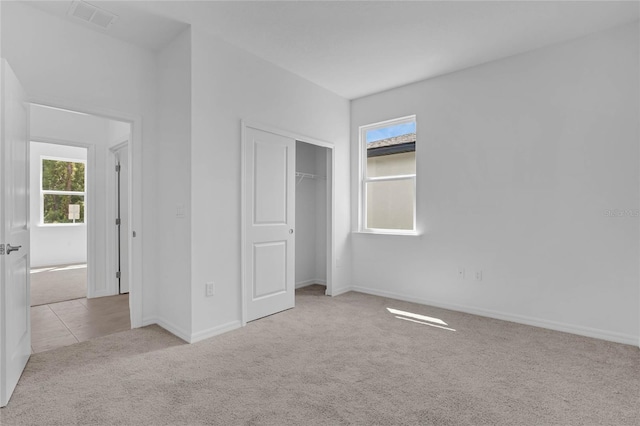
(302, 175)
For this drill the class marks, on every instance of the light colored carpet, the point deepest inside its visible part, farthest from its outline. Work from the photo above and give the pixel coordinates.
(58, 283)
(334, 361)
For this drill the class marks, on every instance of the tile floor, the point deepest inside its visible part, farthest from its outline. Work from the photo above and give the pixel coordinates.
(65, 323)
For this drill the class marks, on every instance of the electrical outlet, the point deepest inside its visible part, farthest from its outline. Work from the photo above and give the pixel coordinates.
(479, 275)
(210, 289)
(461, 273)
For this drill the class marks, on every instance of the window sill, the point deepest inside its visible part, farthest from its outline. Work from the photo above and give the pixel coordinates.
(391, 233)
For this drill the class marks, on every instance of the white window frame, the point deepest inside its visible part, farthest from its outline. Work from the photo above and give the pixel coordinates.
(362, 214)
(44, 192)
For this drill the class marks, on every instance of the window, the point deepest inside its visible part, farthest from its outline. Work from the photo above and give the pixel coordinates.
(62, 194)
(388, 177)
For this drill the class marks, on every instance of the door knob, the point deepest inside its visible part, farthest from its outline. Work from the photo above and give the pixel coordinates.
(11, 248)
(291, 231)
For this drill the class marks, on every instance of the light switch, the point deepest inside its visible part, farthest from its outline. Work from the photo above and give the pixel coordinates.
(180, 211)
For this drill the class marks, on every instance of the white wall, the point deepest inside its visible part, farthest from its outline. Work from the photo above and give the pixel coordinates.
(518, 162)
(530, 214)
(77, 67)
(310, 216)
(173, 261)
(229, 85)
(68, 64)
(54, 244)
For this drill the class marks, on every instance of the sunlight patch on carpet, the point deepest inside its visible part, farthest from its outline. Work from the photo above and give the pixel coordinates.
(425, 323)
(419, 319)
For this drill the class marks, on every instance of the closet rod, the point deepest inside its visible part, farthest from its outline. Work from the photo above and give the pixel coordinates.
(302, 175)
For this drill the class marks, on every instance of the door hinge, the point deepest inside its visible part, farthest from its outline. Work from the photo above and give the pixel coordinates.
(118, 274)
(1, 249)
(117, 167)
(118, 221)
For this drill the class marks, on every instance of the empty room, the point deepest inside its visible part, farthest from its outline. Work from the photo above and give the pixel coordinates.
(321, 212)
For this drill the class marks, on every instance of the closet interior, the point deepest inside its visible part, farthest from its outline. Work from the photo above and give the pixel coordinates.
(311, 214)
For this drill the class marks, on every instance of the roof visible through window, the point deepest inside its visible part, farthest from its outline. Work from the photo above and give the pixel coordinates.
(374, 135)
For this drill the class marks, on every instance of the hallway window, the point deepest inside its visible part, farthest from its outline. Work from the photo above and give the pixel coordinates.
(388, 177)
(62, 195)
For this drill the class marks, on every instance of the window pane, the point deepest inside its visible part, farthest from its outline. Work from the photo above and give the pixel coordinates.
(62, 176)
(57, 210)
(390, 131)
(391, 150)
(390, 204)
(392, 165)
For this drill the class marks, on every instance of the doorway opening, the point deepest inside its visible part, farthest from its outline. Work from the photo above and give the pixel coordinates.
(312, 216)
(74, 293)
(58, 226)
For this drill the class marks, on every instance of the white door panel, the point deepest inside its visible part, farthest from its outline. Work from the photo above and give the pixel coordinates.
(15, 320)
(268, 263)
(269, 256)
(270, 182)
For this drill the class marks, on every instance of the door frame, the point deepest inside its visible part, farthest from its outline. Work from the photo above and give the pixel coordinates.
(89, 197)
(135, 194)
(111, 209)
(330, 216)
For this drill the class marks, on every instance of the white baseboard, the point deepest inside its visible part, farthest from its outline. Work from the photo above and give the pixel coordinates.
(310, 282)
(171, 328)
(520, 319)
(194, 337)
(149, 321)
(341, 290)
(214, 331)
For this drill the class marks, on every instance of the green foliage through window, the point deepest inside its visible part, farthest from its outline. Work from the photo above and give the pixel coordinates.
(62, 176)
(63, 184)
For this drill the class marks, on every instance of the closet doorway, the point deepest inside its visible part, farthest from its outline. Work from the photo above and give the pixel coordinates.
(313, 215)
(272, 177)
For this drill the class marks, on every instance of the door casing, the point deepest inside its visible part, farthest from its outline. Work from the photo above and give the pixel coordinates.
(112, 240)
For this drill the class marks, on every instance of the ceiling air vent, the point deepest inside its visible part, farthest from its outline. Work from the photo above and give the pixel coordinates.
(91, 14)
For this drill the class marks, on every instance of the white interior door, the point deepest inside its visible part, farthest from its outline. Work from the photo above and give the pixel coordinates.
(123, 229)
(269, 215)
(15, 319)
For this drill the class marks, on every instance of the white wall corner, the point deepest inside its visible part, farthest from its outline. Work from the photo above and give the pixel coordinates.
(148, 321)
(307, 283)
(214, 331)
(171, 328)
(341, 290)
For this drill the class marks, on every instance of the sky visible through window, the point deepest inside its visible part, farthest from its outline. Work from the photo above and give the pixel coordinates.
(390, 132)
